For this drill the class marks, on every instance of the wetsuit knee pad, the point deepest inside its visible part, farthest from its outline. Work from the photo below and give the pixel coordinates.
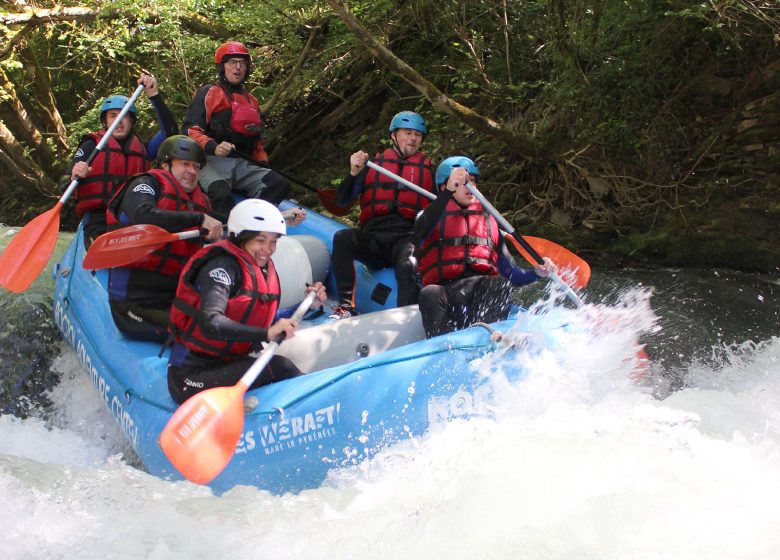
(134, 323)
(343, 238)
(222, 200)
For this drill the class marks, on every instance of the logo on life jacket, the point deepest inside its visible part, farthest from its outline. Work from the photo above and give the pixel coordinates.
(220, 275)
(144, 188)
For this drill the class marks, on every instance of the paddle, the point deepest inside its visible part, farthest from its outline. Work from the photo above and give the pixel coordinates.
(532, 249)
(580, 274)
(201, 436)
(29, 251)
(130, 244)
(580, 277)
(533, 246)
(327, 197)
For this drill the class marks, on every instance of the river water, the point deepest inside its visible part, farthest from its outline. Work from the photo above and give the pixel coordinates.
(578, 463)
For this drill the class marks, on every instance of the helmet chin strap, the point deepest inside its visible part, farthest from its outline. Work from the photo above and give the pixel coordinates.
(396, 147)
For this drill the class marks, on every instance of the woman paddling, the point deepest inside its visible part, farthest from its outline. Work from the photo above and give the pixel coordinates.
(226, 304)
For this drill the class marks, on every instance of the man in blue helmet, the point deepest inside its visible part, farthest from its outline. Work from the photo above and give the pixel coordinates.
(124, 155)
(466, 270)
(387, 211)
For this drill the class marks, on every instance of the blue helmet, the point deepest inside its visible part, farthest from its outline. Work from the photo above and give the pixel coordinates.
(410, 120)
(446, 167)
(117, 102)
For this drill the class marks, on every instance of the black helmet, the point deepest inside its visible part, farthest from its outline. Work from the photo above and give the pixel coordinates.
(180, 147)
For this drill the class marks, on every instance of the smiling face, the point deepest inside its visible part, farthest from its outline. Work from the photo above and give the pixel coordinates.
(261, 247)
(125, 125)
(235, 70)
(185, 172)
(407, 140)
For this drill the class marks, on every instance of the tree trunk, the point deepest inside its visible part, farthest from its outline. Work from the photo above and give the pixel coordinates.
(48, 114)
(15, 114)
(524, 145)
(21, 165)
(266, 108)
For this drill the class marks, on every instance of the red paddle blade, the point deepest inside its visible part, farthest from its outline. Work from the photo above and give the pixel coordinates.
(29, 251)
(572, 269)
(328, 200)
(124, 246)
(201, 436)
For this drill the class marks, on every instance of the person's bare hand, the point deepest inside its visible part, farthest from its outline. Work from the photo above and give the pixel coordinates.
(81, 169)
(214, 228)
(319, 289)
(357, 162)
(224, 149)
(150, 84)
(294, 216)
(286, 326)
(458, 176)
(544, 270)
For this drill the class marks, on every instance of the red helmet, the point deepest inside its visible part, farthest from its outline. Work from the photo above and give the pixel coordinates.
(231, 48)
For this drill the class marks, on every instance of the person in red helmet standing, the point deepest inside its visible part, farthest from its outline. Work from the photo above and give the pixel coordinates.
(123, 156)
(224, 118)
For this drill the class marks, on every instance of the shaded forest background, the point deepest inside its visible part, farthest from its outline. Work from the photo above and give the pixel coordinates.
(630, 131)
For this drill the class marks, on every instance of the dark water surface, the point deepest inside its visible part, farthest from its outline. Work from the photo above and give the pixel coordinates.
(703, 315)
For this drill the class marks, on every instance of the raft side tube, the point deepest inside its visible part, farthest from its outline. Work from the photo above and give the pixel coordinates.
(347, 340)
(299, 260)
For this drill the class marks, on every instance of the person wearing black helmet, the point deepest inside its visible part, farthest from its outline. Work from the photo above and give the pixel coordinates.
(168, 196)
(466, 270)
(387, 210)
(123, 155)
(224, 118)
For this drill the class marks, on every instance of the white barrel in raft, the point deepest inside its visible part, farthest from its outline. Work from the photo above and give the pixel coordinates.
(299, 259)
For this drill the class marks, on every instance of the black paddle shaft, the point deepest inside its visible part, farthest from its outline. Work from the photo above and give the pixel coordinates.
(283, 174)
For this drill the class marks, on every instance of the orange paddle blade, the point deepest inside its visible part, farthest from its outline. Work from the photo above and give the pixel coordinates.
(201, 436)
(572, 269)
(641, 365)
(29, 251)
(328, 200)
(124, 246)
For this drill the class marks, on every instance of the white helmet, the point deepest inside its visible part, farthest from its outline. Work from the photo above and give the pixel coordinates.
(258, 215)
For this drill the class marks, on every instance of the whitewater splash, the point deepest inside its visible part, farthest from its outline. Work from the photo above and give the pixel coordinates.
(576, 461)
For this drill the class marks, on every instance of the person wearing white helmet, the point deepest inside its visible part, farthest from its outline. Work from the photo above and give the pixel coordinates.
(467, 272)
(124, 155)
(387, 209)
(226, 306)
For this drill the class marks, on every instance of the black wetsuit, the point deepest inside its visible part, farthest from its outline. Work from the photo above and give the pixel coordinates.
(190, 372)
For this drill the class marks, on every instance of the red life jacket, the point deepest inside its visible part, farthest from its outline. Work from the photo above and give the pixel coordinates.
(255, 303)
(382, 195)
(110, 168)
(171, 258)
(465, 239)
(244, 111)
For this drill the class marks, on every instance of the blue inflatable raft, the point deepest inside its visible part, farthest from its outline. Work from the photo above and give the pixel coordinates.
(372, 380)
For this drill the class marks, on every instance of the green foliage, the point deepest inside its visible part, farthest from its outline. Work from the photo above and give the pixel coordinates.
(623, 83)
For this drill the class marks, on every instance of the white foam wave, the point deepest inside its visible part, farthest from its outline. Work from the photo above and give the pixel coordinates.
(576, 462)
